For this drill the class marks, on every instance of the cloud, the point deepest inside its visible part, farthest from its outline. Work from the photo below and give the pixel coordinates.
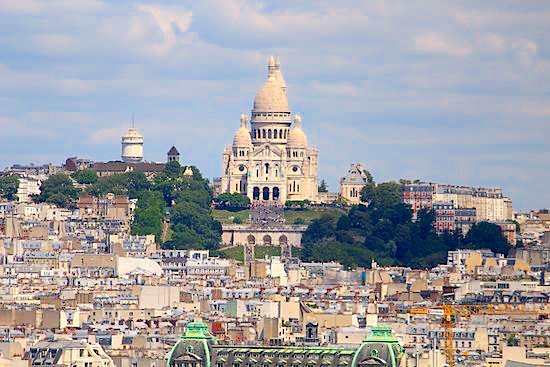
(168, 23)
(492, 43)
(525, 50)
(109, 135)
(432, 89)
(437, 44)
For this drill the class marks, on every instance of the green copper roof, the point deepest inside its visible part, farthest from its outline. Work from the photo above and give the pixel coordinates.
(197, 330)
(381, 334)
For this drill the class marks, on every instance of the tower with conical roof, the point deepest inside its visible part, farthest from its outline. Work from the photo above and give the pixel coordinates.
(270, 160)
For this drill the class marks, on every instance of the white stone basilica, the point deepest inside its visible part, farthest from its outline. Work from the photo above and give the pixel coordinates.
(271, 160)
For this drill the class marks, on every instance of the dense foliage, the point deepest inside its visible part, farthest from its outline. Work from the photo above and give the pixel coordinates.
(130, 183)
(149, 214)
(8, 187)
(232, 202)
(323, 187)
(297, 204)
(58, 189)
(384, 230)
(85, 176)
(186, 198)
(189, 198)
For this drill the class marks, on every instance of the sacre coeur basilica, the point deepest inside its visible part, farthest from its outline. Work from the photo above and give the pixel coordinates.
(270, 160)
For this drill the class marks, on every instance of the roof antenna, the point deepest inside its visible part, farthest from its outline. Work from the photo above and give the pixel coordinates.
(133, 125)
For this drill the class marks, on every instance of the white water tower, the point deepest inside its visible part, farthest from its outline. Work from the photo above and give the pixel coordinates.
(132, 146)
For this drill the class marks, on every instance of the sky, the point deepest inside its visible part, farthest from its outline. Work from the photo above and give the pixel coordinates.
(443, 91)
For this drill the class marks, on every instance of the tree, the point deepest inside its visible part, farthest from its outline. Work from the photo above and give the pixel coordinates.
(194, 227)
(367, 193)
(384, 230)
(370, 179)
(85, 176)
(172, 169)
(136, 184)
(323, 187)
(8, 187)
(487, 235)
(58, 189)
(234, 201)
(149, 214)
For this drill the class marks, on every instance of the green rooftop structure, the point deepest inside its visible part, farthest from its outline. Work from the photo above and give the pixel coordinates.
(198, 348)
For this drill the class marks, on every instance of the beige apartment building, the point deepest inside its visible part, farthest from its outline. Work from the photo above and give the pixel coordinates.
(490, 204)
(68, 353)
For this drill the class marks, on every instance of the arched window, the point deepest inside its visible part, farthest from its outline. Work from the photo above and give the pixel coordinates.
(254, 133)
(251, 239)
(275, 193)
(267, 240)
(267, 168)
(269, 134)
(275, 134)
(265, 193)
(263, 133)
(256, 193)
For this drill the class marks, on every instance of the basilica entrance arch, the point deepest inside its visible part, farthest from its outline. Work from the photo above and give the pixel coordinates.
(251, 239)
(275, 193)
(267, 240)
(283, 240)
(256, 193)
(265, 193)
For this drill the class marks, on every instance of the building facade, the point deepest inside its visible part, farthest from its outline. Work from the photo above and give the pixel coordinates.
(271, 159)
(352, 183)
(490, 203)
(419, 195)
(198, 348)
(451, 219)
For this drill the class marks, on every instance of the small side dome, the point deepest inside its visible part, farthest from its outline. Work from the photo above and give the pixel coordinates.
(242, 137)
(296, 137)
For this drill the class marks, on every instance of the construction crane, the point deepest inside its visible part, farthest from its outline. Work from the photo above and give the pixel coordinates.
(450, 311)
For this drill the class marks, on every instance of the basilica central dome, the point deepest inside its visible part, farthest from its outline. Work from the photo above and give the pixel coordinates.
(272, 96)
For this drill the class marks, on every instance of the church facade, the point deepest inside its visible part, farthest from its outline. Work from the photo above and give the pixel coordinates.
(270, 160)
